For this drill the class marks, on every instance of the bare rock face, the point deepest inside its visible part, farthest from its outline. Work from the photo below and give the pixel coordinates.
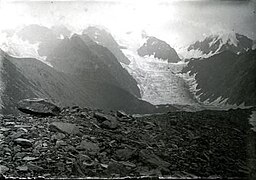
(159, 49)
(38, 107)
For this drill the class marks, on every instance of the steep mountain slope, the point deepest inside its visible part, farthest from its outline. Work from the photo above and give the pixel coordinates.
(105, 39)
(80, 56)
(225, 77)
(159, 49)
(214, 44)
(30, 78)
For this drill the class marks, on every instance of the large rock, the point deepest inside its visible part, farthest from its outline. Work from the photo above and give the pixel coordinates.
(37, 106)
(68, 128)
(152, 159)
(107, 121)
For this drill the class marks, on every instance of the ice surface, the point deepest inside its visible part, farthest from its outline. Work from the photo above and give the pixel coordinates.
(157, 79)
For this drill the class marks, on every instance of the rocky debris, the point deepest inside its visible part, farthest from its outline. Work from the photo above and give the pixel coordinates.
(177, 144)
(38, 107)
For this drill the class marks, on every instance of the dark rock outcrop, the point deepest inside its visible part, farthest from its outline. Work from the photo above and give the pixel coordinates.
(159, 49)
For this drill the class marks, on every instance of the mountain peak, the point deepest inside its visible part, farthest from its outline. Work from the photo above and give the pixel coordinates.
(220, 42)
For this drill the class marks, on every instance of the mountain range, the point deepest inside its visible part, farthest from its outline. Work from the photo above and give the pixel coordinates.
(92, 69)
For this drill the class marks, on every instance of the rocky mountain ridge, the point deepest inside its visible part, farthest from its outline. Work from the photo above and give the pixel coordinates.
(234, 42)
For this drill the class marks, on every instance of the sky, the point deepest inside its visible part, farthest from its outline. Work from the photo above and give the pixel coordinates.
(178, 22)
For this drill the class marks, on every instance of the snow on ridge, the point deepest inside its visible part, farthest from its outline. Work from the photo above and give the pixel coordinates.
(16, 47)
(229, 38)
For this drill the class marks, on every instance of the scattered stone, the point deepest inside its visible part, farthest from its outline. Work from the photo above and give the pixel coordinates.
(60, 143)
(107, 121)
(64, 128)
(124, 154)
(23, 142)
(34, 167)
(151, 158)
(22, 168)
(58, 136)
(28, 158)
(121, 114)
(88, 146)
(38, 107)
(3, 169)
(115, 168)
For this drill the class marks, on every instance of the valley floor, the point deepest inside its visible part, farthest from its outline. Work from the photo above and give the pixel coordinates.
(88, 143)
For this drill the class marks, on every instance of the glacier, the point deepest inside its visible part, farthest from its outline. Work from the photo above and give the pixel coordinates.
(158, 80)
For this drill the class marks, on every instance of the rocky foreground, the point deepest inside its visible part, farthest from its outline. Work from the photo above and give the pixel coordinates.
(81, 142)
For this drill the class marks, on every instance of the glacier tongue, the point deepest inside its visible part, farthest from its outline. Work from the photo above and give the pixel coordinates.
(158, 81)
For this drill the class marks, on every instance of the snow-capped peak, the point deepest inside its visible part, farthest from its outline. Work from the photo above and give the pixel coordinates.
(217, 43)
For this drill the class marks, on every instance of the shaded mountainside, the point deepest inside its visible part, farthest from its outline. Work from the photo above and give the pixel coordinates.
(81, 56)
(234, 42)
(80, 142)
(29, 78)
(159, 49)
(226, 75)
(104, 38)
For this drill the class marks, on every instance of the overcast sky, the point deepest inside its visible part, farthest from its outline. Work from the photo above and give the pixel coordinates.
(178, 22)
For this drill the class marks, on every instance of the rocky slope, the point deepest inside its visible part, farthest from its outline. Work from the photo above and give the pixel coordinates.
(104, 38)
(214, 44)
(225, 77)
(159, 49)
(80, 142)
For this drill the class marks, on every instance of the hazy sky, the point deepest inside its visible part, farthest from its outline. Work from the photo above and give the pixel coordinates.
(178, 22)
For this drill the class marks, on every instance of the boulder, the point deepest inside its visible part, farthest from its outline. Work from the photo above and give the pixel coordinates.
(23, 142)
(152, 159)
(68, 128)
(88, 146)
(38, 107)
(107, 121)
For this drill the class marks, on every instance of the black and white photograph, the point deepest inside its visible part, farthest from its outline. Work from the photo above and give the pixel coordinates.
(136, 89)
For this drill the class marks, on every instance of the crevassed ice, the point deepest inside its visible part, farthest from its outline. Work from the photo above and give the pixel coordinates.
(157, 79)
